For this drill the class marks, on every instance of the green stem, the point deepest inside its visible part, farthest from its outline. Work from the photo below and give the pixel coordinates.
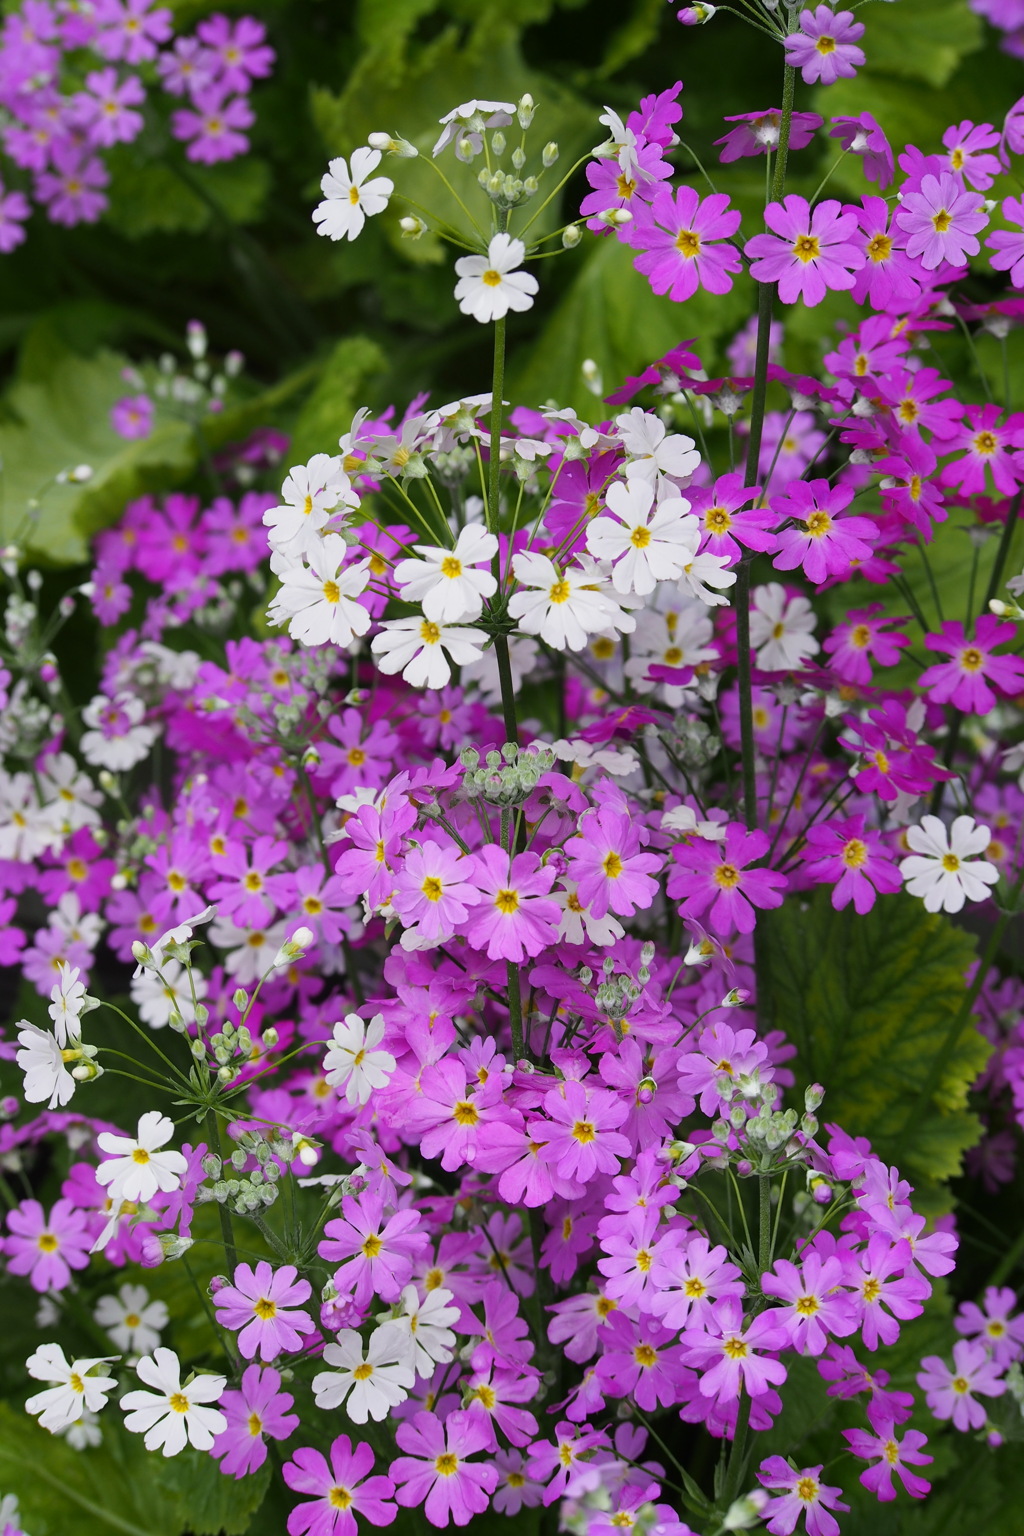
(744, 667)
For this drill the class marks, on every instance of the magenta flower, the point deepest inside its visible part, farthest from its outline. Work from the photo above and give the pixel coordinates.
(130, 30)
(809, 252)
(865, 635)
(999, 1329)
(515, 917)
(258, 1410)
(433, 892)
(725, 1352)
(894, 1458)
(717, 875)
(815, 1305)
(688, 1281)
(889, 279)
(580, 1136)
(133, 416)
(262, 1303)
(376, 1255)
(857, 862)
(14, 210)
(47, 1249)
(728, 523)
(966, 143)
(108, 107)
(557, 1463)
(340, 1491)
(454, 1112)
(825, 49)
(886, 1287)
(798, 1492)
(758, 133)
(906, 489)
(681, 242)
(986, 443)
(1009, 245)
(643, 1360)
(240, 51)
(973, 676)
(72, 190)
(862, 136)
(437, 1472)
(950, 1389)
(215, 130)
(607, 865)
(822, 543)
(615, 188)
(940, 220)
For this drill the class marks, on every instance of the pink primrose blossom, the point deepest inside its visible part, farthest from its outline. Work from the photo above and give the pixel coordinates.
(238, 50)
(728, 523)
(950, 1390)
(852, 858)
(262, 1303)
(717, 876)
(130, 30)
(374, 1254)
(798, 1492)
(514, 917)
(47, 1248)
(995, 1324)
(215, 129)
(557, 1462)
(864, 137)
(614, 188)
(865, 635)
(893, 1458)
(758, 133)
(259, 1410)
(987, 444)
(455, 1113)
(689, 1279)
(886, 1289)
(607, 864)
(726, 1351)
(339, 1490)
(642, 1360)
(1008, 244)
(809, 251)
(434, 891)
(965, 143)
(825, 48)
(107, 107)
(682, 242)
(580, 1135)
(14, 210)
(973, 678)
(437, 1471)
(72, 191)
(822, 543)
(941, 219)
(723, 1056)
(132, 417)
(815, 1304)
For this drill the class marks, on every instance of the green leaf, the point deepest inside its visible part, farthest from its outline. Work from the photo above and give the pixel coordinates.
(329, 409)
(869, 1001)
(611, 315)
(208, 1502)
(919, 40)
(153, 197)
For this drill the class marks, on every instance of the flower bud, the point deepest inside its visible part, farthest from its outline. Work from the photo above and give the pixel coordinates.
(571, 237)
(525, 110)
(412, 227)
(498, 142)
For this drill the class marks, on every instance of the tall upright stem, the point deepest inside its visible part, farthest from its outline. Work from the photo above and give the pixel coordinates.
(508, 706)
(765, 300)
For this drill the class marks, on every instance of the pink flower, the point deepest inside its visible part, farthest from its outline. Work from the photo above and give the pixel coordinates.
(132, 416)
(437, 1473)
(816, 1306)
(825, 49)
(1008, 245)
(966, 143)
(515, 916)
(886, 1288)
(433, 891)
(108, 105)
(340, 1490)
(987, 445)
(129, 30)
(454, 1112)
(14, 210)
(376, 1255)
(580, 1134)
(258, 1410)
(889, 279)
(239, 51)
(758, 133)
(862, 136)
(798, 1492)
(973, 676)
(725, 1352)
(682, 242)
(894, 1458)
(261, 1303)
(615, 188)
(950, 1390)
(689, 1280)
(1000, 1331)
(728, 523)
(809, 252)
(857, 862)
(643, 1360)
(865, 633)
(717, 875)
(821, 543)
(940, 220)
(47, 1249)
(607, 865)
(71, 192)
(216, 129)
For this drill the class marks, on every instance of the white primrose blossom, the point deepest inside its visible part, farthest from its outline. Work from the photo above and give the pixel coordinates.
(250, 952)
(369, 1384)
(489, 286)
(48, 1078)
(465, 123)
(416, 648)
(136, 1167)
(781, 629)
(117, 737)
(73, 1391)
(69, 795)
(67, 1003)
(160, 996)
(318, 600)
(173, 1415)
(578, 925)
(27, 829)
(310, 496)
(349, 199)
(354, 1060)
(653, 450)
(944, 868)
(564, 607)
(425, 1325)
(646, 541)
(447, 582)
(131, 1319)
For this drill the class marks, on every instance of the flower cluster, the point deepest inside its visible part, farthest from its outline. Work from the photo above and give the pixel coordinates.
(73, 83)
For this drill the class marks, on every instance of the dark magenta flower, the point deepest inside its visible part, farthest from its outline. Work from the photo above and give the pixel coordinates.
(825, 48)
(718, 876)
(809, 251)
(682, 242)
(973, 677)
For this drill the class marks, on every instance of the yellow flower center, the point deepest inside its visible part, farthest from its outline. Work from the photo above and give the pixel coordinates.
(432, 888)
(806, 248)
(950, 862)
(447, 1463)
(807, 1306)
(339, 1498)
(507, 901)
(584, 1132)
(640, 538)
(688, 243)
(353, 195)
(727, 875)
(818, 524)
(854, 853)
(941, 221)
(451, 567)
(332, 592)
(717, 520)
(560, 592)
(735, 1349)
(491, 278)
(179, 1402)
(465, 1112)
(986, 442)
(363, 1371)
(612, 865)
(265, 1308)
(372, 1246)
(807, 1489)
(140, 1155)
(430, 633)
(645, 1356)
(826, 45)
(48, 1242)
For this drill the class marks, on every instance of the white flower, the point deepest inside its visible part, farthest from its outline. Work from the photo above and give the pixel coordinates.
(563, 607)
(318, 599)
(467, 122)
(648, 541)
(131, 1319)
(10, 1513)
(619, 761)
(251, 951)
(652, 449)
(136, 1168)
(374, 1383)
(426, 1327)
(310, 496)
(780, 629)
(66, 999)
(349, 199)
(74, 1390)
(26, 829)
(683, 819)
(174, 1415)
(160, 996)
(116, 739)
(155, 954)
(83, 1433)
(622, 143)
(42, 1061)
(944, 868)
(677, 637)
(354, 1059)
(74, 925)
(579, 925)
(69, 794)
(702, 573)
(489, 286)
(522, 656)
(416, 648)
(445, 582)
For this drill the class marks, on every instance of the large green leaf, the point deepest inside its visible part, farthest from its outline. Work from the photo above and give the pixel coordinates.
(870, 1003)
(920, 39)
